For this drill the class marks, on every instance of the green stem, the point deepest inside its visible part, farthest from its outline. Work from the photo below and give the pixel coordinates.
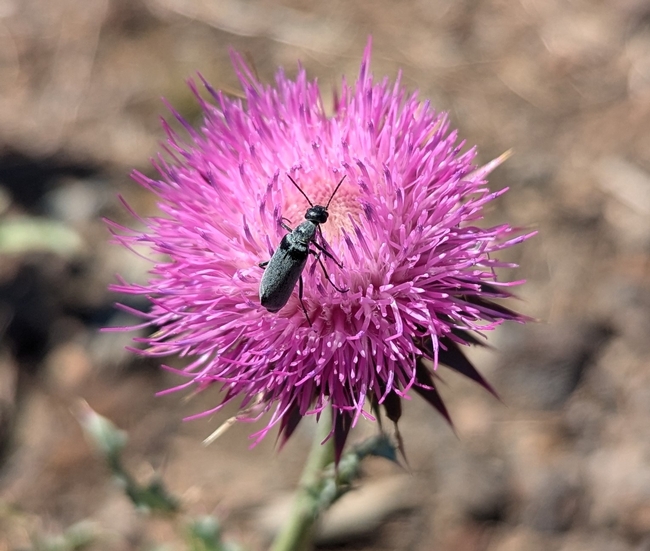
(297, 533)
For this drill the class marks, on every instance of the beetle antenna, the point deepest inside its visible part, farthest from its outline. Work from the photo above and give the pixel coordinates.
(300, 190)
(335, 190)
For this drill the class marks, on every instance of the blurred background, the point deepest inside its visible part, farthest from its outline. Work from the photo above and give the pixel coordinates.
(562, 463)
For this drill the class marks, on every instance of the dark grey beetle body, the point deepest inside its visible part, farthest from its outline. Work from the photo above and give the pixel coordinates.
(285, 268)
(287, 263)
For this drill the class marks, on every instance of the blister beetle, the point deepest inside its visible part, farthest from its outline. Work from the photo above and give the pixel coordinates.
(284, 270)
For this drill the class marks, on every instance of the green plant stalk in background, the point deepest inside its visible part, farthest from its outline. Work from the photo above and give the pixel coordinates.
(297, 534)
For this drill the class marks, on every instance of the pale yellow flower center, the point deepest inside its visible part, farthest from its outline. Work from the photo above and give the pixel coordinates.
(344, 207)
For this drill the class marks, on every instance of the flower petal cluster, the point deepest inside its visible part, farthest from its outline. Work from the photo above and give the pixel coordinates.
(418, 269)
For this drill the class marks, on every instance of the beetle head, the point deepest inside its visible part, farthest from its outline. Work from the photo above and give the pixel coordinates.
(317, 214)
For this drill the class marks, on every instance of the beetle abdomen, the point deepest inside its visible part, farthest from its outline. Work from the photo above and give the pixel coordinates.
(281, 275)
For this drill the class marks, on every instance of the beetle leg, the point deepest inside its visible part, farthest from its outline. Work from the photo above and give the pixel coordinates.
(327, 254)
(264, 264)
(327, 276)
(304, 309)
(324, 250)
(285, 227)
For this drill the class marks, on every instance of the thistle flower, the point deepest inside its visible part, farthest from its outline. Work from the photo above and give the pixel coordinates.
(418, 270)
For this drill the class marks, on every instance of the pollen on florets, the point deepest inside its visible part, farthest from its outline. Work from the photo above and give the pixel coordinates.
(418, 270)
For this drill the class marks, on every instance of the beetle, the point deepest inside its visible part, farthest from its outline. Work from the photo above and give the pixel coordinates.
(284, 269)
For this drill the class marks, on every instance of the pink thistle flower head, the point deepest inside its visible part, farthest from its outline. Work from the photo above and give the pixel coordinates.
(404, 244)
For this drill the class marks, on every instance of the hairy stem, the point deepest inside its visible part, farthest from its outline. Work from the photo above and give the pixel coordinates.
(297, 533)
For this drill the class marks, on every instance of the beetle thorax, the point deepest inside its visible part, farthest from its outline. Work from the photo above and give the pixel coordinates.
(305, 232)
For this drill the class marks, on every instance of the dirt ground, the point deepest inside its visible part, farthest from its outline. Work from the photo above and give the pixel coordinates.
(562, 463)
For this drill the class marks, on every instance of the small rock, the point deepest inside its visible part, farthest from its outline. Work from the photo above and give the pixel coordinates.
(77, 200)
(554, 505)
(68, 365)
(519, 538)
(475, 486)
(619, 481)
(599, 541)
(549, 362)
